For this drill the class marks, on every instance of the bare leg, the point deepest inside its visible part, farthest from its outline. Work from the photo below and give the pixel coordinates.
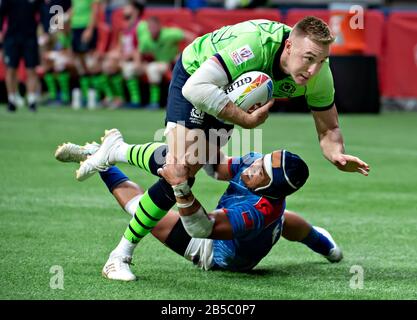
(11, 81)
(126, 191)
(295, 227)
(32, 83)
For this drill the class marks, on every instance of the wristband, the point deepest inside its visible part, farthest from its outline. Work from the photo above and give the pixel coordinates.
(182, 189)
(185, 205)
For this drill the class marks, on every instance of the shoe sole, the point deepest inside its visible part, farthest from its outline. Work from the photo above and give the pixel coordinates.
(105, 276)
(62, 154)
(91, 173)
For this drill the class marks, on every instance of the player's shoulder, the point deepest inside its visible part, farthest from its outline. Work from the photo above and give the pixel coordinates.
(323, 78)
(270, 30)
(142, 25)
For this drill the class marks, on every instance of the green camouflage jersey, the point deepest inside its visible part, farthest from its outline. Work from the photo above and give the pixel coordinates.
(163, 49)
(81, 13)
(256, 45)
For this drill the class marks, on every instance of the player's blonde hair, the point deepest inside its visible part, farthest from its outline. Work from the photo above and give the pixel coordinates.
(315, 29)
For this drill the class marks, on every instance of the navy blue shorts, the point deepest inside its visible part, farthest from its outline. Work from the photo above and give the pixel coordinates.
(78, 46)
(17, 47)
(179, 109)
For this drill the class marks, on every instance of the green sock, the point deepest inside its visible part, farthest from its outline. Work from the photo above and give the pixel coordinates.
(64, 85)
(85, 85)
(117, 85)
(95, 83)
(50, 85)
(155, 93)
(156, 202)
(145, 157)
(105, 86)
(147, 214)
(134, 90)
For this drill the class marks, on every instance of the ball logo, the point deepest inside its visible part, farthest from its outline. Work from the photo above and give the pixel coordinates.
(237, 84)
(255, 84)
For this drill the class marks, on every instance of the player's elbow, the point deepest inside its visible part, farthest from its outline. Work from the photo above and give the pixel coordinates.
(189, 92)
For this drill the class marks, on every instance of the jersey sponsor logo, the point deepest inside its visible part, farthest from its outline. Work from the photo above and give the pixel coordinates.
(241, 55)
(247, 219)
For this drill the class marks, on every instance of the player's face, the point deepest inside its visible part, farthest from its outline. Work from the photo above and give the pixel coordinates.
(154, 28)
(305, 58)
(255, 175)
(128, 12)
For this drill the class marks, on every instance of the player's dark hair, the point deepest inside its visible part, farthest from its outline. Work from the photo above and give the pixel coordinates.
(315, 29)
(154, 19)
(138, 5)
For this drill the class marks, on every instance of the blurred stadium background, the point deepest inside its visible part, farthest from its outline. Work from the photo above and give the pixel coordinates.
(47, 218)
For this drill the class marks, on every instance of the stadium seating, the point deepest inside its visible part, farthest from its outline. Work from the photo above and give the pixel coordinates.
(374, 31)
(391, 39)
(374, 21)
(400, 63)
(179, 17)
(212, 19)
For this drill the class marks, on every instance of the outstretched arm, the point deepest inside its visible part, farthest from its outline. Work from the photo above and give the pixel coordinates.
(331, 142)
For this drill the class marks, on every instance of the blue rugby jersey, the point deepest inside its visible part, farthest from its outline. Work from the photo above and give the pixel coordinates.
(256, 222)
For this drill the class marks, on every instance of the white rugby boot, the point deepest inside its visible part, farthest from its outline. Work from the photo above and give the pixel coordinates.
(335, 254)
(102, 159)
(71, 152)
(117, 267)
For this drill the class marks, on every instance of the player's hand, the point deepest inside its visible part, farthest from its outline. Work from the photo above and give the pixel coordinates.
(348, 163)
(173, 171)
(87, 35)
(257, 116)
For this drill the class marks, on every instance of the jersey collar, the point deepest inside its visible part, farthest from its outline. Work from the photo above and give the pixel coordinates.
(277, 73)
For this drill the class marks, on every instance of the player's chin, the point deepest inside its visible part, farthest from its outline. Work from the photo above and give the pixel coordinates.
(301, 80)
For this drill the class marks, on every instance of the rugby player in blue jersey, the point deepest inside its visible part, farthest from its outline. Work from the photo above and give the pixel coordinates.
(247, 222)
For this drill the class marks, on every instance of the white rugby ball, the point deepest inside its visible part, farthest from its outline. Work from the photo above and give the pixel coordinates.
(250, 88)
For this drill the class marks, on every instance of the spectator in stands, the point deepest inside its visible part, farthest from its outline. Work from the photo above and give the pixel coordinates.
(83, 21)
(20, 42)
(112, 5)
(159, 48)
(123, 61)
(56, 56)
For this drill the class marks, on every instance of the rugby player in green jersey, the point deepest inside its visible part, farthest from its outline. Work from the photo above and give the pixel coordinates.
(296, 59)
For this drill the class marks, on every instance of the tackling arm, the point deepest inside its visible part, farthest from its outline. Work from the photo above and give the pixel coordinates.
(195, 220)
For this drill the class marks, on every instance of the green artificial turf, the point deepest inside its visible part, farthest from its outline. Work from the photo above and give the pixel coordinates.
(49, 219)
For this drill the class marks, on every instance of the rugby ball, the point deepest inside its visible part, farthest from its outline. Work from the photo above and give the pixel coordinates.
(250, 88)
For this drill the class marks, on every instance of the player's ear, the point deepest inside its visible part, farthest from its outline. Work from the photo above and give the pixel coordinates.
(288, 45)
